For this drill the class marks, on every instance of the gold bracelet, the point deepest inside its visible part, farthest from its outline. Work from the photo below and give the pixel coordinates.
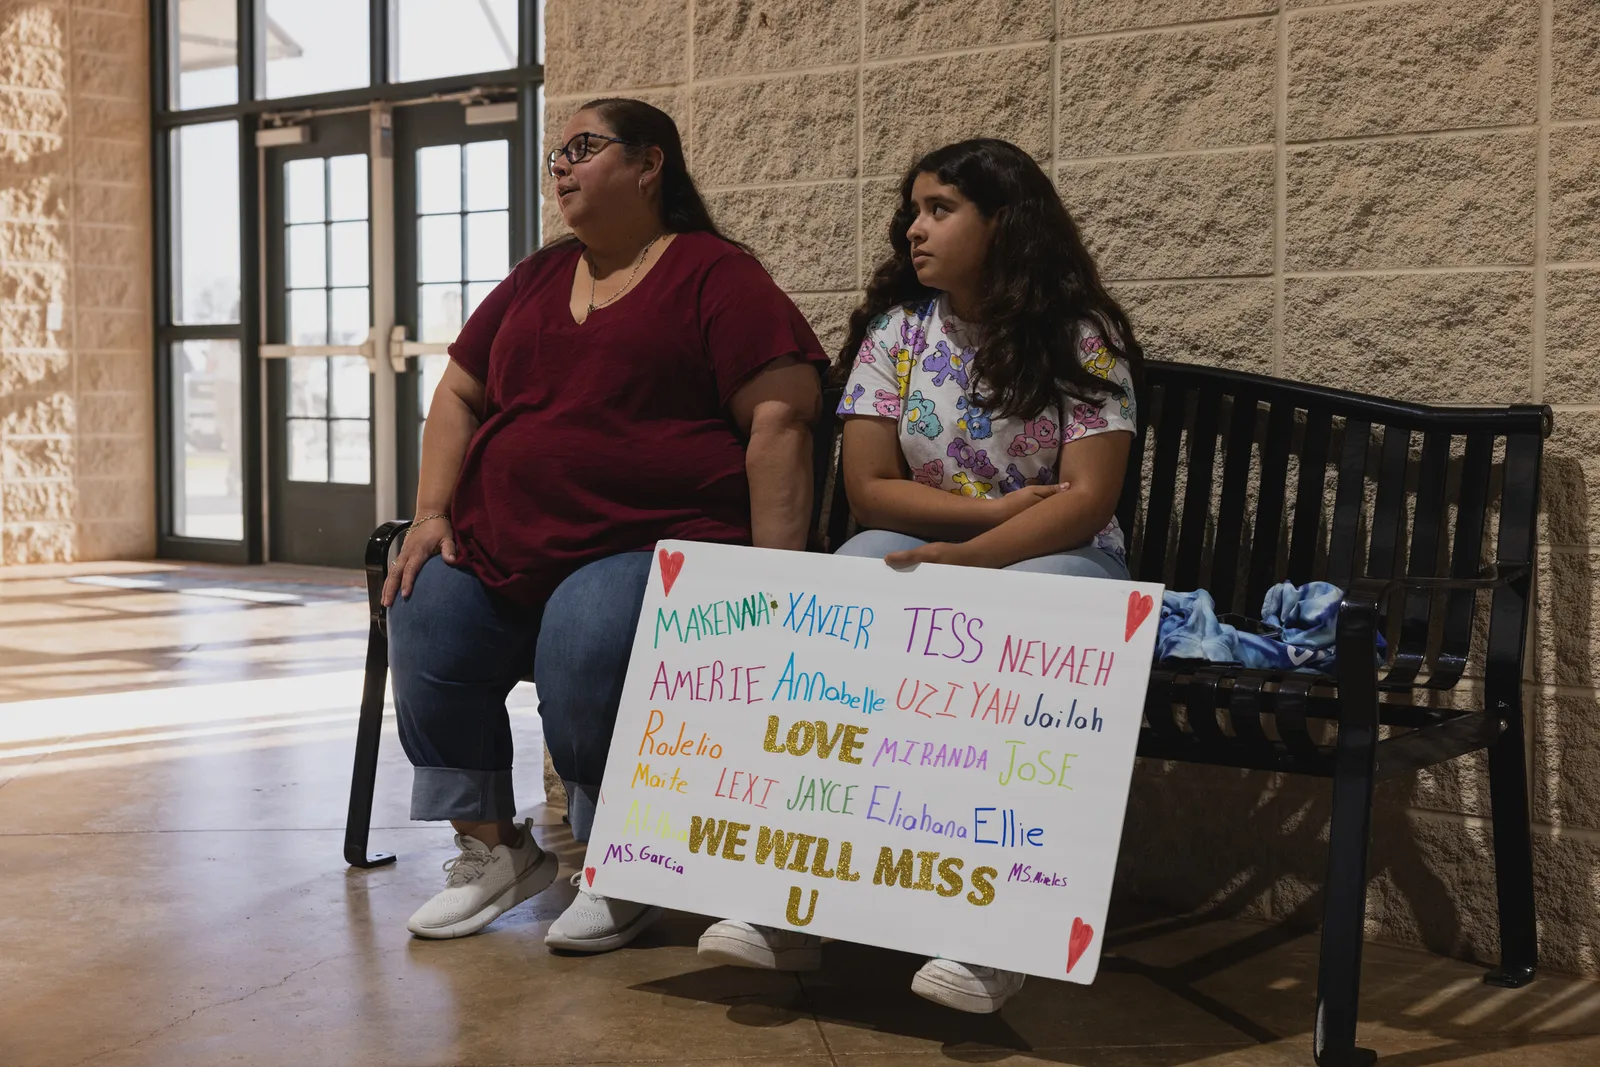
(429, 517)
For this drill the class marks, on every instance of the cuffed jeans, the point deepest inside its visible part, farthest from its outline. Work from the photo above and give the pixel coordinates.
(456, 651)
(1085, 562)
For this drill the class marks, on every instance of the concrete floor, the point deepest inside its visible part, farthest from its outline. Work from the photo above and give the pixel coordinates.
(174, 768)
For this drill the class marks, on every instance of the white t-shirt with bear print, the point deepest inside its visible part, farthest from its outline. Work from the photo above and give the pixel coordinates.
(913, 367)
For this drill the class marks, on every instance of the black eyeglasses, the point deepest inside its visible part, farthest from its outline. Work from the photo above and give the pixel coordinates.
(578, 149)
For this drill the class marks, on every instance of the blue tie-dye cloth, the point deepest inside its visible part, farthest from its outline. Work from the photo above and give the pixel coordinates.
(1296, 632)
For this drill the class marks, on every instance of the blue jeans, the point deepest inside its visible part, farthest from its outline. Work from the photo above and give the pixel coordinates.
(456, 651)
(1085, 562)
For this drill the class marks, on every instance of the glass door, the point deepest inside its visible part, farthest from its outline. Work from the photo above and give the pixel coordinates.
(319, 362)
(455, 228)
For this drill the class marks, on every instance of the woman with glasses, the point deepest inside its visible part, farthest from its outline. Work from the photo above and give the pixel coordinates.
(641, 379)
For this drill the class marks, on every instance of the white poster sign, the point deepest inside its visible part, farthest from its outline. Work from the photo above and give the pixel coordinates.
(934, 760)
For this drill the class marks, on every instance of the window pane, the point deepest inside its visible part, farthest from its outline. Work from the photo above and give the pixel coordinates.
(347, 177)
(349, 248)
(308, 386)
(351, 388)
(205, 223)
(208, 482)
(308, 317)
(437, 38)
(430, 369)
(439, 179)
(438, 312)
(303, 191)
(308, 450)
(308, 255)
(314, 46)
(475, 294)
(488, 175)
(352, 451)
(439, 248)
(207, 52)
(488, 245)
(543, 175)
(351, 323)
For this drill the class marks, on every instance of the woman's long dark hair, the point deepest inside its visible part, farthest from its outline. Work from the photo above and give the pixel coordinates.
(643, 126)
(1039, 284)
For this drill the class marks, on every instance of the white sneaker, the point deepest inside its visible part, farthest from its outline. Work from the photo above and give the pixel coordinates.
(765, 948)
(593, 923)
(965, 986)
(483, 884)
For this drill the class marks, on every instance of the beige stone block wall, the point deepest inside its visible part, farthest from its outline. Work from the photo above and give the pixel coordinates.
(1268, 189)
(76, 411)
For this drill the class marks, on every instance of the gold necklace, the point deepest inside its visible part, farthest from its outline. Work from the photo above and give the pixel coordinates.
(614, 297)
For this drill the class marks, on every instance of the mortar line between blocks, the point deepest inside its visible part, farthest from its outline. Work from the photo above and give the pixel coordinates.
(1280, 229)
(1541, 198)
(861, 148)
(1166, 27)
(1055, 85)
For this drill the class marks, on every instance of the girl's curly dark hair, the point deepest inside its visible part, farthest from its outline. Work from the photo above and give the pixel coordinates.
(1039, 284)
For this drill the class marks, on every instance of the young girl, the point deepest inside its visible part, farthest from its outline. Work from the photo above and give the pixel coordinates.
(988, 414)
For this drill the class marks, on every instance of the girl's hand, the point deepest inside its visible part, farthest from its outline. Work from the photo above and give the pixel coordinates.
(433, 536)
(952, 553)
(1014, 504)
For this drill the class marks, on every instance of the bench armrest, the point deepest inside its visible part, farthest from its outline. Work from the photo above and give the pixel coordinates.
(381, 546)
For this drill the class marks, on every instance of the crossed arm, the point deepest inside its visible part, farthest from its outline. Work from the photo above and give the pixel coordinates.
(977, 531)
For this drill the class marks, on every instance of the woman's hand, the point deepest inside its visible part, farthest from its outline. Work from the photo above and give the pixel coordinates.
(434, 536)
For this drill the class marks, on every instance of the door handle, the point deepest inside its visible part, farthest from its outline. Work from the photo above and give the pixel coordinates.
(400, 349)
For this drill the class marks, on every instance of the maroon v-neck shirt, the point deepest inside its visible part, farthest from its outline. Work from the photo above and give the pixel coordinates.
(607, 436)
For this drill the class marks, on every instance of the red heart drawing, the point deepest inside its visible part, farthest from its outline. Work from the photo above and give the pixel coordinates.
(671, 564)
(1139, 606)
(588, 874)
(1082, 934)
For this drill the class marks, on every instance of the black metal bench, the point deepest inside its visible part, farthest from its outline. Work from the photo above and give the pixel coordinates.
(1228, 489)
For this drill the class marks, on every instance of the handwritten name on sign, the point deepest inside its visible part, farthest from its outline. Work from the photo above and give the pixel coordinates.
(933, 760)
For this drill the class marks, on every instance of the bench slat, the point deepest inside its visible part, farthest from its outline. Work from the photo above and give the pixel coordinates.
(1269, 504)
(1197, 493)
(1163, 486)
(1230, 508)
(1308, 495)
(1348, 502)
(1432, 477)
(1465, 560)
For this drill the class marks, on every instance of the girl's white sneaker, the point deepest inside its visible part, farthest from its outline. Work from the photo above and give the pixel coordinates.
(483, 883)
(593, 923)
(965, 986)
(741, 944)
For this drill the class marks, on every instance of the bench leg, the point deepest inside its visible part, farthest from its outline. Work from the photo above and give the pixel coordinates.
(364, 777)
(1513, 848)
(1344, 906)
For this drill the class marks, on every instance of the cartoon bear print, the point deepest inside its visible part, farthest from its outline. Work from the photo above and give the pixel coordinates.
(886, 404)
(946, 364)
(920, 417)
(1013, 480)
(1036, 434)
(966, 486)
(1099, 361)
(975, 424)
(974, 460)
(930, 473)
(847, 402)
